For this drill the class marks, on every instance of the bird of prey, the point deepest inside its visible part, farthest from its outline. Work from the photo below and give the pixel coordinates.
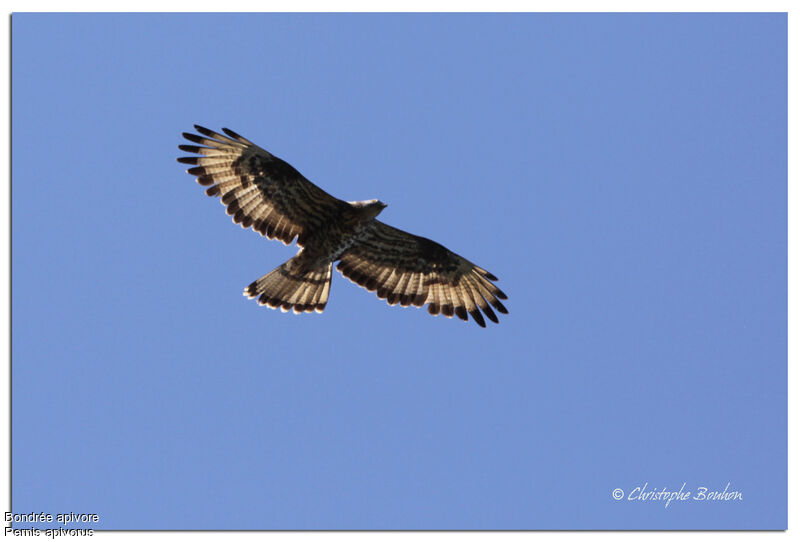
(266, 194)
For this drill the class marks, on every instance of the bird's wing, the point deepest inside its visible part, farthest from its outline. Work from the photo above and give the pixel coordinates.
(411, 270)
(260, 190)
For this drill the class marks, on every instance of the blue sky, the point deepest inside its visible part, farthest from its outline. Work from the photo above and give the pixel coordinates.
(623, 175)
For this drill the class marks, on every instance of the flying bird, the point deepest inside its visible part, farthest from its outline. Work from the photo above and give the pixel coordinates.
(269, 196)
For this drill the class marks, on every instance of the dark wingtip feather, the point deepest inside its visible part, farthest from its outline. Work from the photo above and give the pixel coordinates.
(205, 131)
(499, 293)
(190, 148)
(355, 276)
(483, 272)
(232, 208)
(487, 310)
(499, 306)
(194, 138)
(461, 312)
(192, 160)
(433, 308)
(231, 133)
(478, 317)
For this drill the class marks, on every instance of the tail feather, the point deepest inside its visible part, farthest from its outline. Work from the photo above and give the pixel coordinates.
(289, 289)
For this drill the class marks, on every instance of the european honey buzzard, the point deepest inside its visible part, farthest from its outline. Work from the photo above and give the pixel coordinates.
(264, 193)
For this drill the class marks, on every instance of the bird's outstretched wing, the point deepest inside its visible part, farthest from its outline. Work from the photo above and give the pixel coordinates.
(260, 190)
(411, 270)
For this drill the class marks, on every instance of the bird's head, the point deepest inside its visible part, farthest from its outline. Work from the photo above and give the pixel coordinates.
(370, 208)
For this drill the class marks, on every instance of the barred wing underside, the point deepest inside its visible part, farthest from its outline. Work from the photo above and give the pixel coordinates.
(260, 190)
(411, 270)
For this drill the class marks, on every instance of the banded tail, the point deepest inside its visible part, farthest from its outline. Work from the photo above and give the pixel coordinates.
(293, 289)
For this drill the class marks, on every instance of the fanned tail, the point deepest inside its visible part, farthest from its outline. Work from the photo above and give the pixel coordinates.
(289, 288)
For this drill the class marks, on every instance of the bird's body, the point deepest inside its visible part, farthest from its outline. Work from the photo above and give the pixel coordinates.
(266, 194)
(335, 236)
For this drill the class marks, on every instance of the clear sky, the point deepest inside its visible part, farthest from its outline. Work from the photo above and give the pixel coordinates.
(625, 177)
